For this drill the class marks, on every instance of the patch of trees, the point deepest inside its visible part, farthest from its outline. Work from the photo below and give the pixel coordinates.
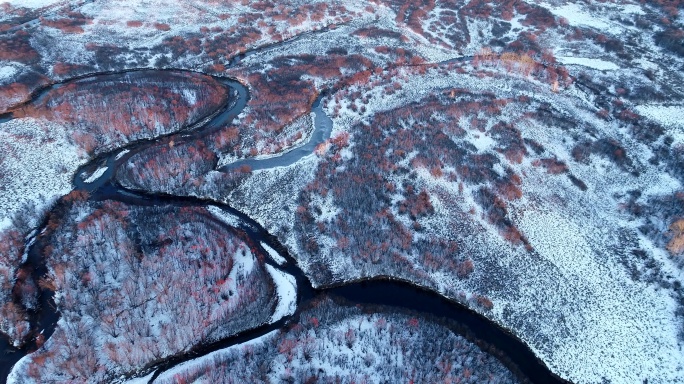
(135, 106)
(676, 233)
(275, 118)
(18, 289)
(333, 343)
(510, 141)
(19, 90)
(69, 22)
(175, 166)
(552, 165)
(663, 220)
(399, 56)
(672, 8)
(189, 44)
(608, 148)
(671, 39)
(135, 285)
(15, 15)
(260, 22)
(372, 209)
(17, 47)
(496, 212)
(13, 94)
(535, 15)
(111, 56)
(411, 13)
(527, 61)
(378, 33)
(179, 169)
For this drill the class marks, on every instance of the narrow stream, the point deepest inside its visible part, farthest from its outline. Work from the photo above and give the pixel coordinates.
(97, 177)
(322, 129)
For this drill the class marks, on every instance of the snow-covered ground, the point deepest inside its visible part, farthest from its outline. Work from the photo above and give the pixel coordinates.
(667, 115)
(286, 288)
(275, 256)
(33, 3)
(37, 166)
(586, 62)
(592, 319)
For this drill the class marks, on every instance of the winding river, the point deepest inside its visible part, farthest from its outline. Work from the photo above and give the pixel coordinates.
(98, 178)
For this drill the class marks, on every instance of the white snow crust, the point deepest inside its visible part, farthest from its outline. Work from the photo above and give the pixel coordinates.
(599, 64)
(273, 254)
(287, 293)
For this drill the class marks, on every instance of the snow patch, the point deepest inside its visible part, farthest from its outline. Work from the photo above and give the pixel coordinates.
(482, 142)
(577, 16)
(140, 380)
(7, 71)
(224, 216)
(190, 96)
(287, 293)
(121, 154)
(273, 254)
(599, 64)
(33, 3)
(670, 116)
(96, 175)
(633, 9)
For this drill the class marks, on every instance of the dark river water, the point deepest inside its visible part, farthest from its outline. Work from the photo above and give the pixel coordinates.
(381, 291)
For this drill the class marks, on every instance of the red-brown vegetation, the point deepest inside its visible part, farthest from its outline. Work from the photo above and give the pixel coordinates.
(535, 15)
(676, 244)
(483, 302)
(162, 26)
(280, 97)
(671, 7)
(13, 94)
(179, 169)
(73, 22)
(17, 47)
(137, 105)
(541, 66)
(552, 166)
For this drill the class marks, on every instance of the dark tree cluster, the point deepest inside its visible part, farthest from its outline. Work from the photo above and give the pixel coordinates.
(69, 22)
